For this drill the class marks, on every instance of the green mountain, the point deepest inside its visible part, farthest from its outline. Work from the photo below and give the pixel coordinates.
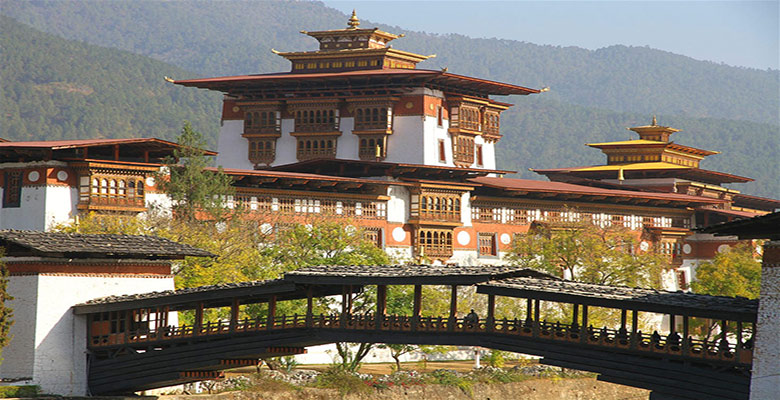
(54, 88)
(224, 38)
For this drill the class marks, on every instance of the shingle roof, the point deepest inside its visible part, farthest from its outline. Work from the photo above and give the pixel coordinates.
(625, 297)
(74, 245)
(408, 274)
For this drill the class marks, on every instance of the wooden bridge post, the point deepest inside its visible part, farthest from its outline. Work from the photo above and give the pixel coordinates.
(634, 328)
(417, 307)
(738, 349)
(575, 317)
(453, 307)
(537, 317)
(491, 313)
(585, 333)
(271, 312)
(198, 319)
(309, 306)
(685, 344)
(234, 314)
(381, 304)
(528, 314)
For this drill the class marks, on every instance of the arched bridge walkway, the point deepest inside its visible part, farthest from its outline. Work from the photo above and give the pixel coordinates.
(134, 346)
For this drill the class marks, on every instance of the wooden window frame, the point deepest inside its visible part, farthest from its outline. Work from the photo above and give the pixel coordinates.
(12, 189)
(434, 243)
(442, 151)
(487, 245)
(367, 147)
(478, 156)
(261, 150)
(262, 122)
(463, 150)
(313, 147)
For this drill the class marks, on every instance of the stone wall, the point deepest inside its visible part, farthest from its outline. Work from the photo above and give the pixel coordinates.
(765, 380)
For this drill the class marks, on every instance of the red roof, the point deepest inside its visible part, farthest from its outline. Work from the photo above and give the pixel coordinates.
(733, 213)
(78, 143)
(440, 77)
(296, 175)
(527, 185)
(691, 173)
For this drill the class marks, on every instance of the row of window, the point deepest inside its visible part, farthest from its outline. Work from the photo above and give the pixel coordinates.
(475, 119)
(373, 147)
(634, 158)
(444, 207)
(522, 216)
(256, 122)
(373, 118)
(336, 64)
(310, 148)
(434, 243)
(283, 205)
(465, 153)
(112, 190)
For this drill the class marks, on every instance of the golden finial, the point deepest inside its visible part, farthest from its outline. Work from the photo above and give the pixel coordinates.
(655, 123)
(353, 20)
(168, 79)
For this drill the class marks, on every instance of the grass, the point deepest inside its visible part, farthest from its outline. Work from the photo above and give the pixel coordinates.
(19, 391)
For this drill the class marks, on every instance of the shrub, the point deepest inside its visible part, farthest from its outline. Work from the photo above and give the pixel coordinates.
(344, 381)
(450, 377)
(20, 391)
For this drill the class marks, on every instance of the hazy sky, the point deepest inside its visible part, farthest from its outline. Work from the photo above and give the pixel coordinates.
(742, 33)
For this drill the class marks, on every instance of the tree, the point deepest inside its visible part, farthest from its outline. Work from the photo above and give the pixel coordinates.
(192, 187)
(732, 273)
(397, 350)
(589, 253)
(5, 312)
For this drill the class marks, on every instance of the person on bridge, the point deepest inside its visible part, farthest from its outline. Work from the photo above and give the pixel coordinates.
(472, 318)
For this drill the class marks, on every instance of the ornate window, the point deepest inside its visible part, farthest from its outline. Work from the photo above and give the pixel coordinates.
(465, 117)
(312, 147)
(374, 235)
(118, 192)
(12, 190)
(373, 147)
(433, 206)
(368, 118)
(262, 122)
(262, 151)
(491, 123)
(487, 244)
(434, 243)
(463, 149)
(327, 206)
(316, 120)
(479, 155)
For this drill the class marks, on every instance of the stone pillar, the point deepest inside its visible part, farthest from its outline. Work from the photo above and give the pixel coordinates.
(765, 380)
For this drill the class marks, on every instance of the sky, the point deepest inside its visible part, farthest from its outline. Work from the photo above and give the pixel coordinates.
(739, 33)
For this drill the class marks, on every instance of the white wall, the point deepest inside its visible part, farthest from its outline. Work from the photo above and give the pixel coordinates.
(18, 355)
(59, 340)
(232, 147)
(30, 215)
(398, 205)
(406, 144)
(61, 202)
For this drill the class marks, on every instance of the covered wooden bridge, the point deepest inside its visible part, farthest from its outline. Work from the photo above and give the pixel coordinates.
(133, 346)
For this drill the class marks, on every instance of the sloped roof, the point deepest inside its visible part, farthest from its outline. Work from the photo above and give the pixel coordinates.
(408, 274)
(75, 245)
(763, 227)
(651, 300)
(533, 186)
(422, 76)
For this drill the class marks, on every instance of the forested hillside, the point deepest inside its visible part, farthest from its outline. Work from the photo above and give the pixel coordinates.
(223, 38)
(54, 88)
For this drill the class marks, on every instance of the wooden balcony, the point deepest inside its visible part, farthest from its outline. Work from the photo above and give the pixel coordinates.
(113, 203)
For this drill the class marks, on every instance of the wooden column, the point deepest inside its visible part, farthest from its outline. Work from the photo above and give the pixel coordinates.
(491, 312)
(453, 307)
(350, 299)
(574, 315)
(198, 319)
(537, 317)
(116, 152)
(234, 314)
(685, 334)
(634, 327)
(309, 305)
(528, 315)
(623, 313)
(738, 349)
(584, 328)
(146, 156)
(416, 306)
(344, 300)
(381, 304)
(271, 312)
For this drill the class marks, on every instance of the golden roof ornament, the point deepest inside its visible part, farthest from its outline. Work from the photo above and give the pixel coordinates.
(353, 22)
(655, 123)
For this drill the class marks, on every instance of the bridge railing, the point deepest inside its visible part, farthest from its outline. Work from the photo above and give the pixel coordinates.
(672, 344)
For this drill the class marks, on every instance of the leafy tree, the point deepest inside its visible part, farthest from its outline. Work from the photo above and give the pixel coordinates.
(589, 253)
(732, 273)
(397, 350)
(191, 186)
(5, 312)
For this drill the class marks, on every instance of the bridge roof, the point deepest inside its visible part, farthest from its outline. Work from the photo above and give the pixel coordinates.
(220, 295)
(623, 297)
(75, 245)
(407, 274)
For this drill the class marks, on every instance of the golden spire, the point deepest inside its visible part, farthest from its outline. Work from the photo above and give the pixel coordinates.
(655, 123)
(353, 22)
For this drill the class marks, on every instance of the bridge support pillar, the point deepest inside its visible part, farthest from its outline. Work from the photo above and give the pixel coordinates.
(196, 329)
(491, 312)
(453, 307)
(381, 304)
(271, 312)
(417, 307)
(309, 305)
